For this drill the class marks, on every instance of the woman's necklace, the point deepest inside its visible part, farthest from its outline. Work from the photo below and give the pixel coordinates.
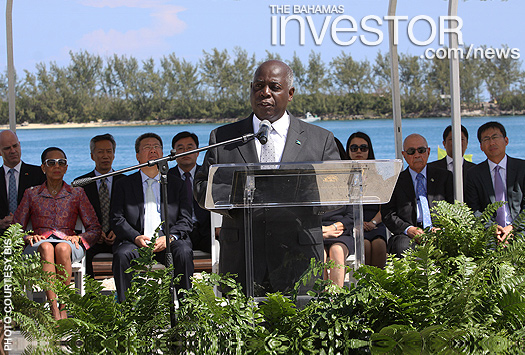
(54, 190)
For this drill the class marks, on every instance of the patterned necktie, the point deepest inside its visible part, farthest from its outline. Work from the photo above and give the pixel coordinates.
(268, 150)
(189, 187)
(151, 212)
(103, 194)
(499, 190)
(423, 201)
(13, 193)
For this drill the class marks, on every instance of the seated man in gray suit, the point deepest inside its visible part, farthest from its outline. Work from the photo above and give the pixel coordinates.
(15, 177)
(285, 239)
(102, 148)
(407, 213)
(499, 178)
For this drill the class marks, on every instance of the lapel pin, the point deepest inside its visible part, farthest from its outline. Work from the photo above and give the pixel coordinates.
(298, 142)
(432, 179)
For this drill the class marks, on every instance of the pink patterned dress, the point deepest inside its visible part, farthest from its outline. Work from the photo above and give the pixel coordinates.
(56, 217)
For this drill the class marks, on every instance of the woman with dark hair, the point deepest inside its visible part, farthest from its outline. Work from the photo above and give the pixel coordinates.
(53, 209)
(359, 147)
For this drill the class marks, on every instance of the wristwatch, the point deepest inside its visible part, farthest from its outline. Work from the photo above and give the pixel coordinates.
(374, 222)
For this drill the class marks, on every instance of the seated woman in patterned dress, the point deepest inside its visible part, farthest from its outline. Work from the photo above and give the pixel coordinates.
(53, 209)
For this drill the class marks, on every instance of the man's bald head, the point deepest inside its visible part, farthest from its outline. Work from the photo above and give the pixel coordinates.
(10, 148)
(416, 152)
(271, 90)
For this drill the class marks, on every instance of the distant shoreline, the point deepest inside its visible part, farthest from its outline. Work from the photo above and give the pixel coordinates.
(470, 113)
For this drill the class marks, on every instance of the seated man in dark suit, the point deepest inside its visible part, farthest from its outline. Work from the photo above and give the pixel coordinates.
(499, 178)
(186, 168)
(447, 162)
(136, 214)
(15, 177)
(102, 149)
(417, 188)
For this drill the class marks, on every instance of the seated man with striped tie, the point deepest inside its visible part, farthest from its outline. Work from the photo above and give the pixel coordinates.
(136, 214)
(15, 177)
(407, 213)
(499, 178)
(102, 148)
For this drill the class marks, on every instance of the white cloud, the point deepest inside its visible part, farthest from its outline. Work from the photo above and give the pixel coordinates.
(144, 41)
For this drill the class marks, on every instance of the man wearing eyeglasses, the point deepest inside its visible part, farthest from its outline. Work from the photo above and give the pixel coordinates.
(418, 187)
(136, 215)
(499, 178)
(102, 149)
(15, 177)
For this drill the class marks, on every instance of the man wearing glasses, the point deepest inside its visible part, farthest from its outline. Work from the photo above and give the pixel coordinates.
(499, 178)
(417, 189)
(15, 177)
(136, 214)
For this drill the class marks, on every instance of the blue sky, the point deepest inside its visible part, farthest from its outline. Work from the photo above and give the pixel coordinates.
(46, 30)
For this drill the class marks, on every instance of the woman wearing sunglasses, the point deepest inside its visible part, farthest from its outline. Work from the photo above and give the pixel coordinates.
(359, 147)
(53, 209)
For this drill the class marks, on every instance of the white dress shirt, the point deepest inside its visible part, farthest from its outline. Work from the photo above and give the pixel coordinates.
(277, 134)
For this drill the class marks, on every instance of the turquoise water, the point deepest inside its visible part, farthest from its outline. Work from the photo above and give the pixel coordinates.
(75, 141)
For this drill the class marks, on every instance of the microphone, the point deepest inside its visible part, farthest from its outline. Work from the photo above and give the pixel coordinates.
(81, 182)
(264, 131)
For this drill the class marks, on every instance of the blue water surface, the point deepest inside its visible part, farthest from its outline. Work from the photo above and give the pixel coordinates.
(75, 141)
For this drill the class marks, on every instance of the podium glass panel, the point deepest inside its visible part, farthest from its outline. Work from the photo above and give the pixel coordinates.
(272, 225)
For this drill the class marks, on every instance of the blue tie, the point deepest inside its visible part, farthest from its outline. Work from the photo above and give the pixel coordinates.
(13, 194)
(422, 200)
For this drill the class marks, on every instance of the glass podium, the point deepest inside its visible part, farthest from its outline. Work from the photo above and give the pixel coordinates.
(272, 225)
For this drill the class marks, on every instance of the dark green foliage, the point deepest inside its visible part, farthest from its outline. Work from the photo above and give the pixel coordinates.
(18, 272)
(458, 292)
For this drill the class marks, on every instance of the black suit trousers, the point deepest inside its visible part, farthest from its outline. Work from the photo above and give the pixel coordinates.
(125, 252)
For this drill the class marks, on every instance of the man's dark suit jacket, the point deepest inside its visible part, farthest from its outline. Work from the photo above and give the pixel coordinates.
(92, 191)
(201, 234)
(285, 239)
(480, 190)
(127, 208)
(442, 164)
(30, 175)
(401, 211)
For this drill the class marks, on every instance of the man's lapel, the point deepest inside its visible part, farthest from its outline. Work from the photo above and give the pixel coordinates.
(3, 189)
(295, 140)
(512, 173)
(247, 150)
(486, 181)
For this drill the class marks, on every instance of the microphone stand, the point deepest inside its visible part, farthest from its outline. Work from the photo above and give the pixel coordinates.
(162, 165)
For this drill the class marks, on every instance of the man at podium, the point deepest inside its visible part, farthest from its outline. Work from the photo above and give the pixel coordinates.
(284, 239)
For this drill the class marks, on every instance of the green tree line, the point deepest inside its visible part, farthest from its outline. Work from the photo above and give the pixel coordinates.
(95, 88)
